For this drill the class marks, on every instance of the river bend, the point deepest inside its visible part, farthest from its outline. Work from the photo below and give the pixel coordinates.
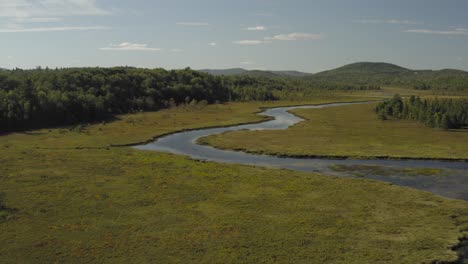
(452, 182)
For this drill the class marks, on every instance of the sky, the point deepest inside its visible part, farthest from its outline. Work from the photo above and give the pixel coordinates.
(304, 35)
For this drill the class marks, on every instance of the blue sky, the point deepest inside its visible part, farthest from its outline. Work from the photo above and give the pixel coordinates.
(305, 35)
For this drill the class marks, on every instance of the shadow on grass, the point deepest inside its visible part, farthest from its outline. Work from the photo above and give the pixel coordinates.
(5, 212)
(362, 170)
(72, 126)
(461, 130)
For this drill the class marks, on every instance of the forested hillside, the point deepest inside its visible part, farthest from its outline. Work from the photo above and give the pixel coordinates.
(365, 74)
(255, 73)
(385, 74)
(46, 97)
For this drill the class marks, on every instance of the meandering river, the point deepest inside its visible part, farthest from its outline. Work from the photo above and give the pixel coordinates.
(451, 182)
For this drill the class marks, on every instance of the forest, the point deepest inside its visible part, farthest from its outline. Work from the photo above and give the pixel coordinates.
(49, 97)
(436, 113)
(386, 74)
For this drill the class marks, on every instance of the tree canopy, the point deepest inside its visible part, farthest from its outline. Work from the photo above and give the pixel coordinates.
(439, 113)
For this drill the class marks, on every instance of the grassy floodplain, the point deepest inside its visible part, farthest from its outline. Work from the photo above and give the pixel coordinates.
(68, 197)
(349, 131)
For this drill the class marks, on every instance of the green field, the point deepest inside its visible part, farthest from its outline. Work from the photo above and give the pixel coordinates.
(67, 196)
(349, 131)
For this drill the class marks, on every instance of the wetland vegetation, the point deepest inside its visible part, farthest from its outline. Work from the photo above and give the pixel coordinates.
(73, 194)
(438, 113)
(349, 131)
(115, 204)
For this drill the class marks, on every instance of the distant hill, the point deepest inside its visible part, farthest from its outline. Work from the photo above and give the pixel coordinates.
(379, 73)
(255, 73)
(367, 74)
(227, 72)
(292, 73)
(366, 68)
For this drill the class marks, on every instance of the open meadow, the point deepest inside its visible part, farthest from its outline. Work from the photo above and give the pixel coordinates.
(68, 196)
(353, 131)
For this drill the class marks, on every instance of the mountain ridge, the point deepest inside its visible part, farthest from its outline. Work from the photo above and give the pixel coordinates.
(255, 73)
(357, 67)
(368, 74)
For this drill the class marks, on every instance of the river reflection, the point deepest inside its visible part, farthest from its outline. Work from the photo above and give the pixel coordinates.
(451, 182)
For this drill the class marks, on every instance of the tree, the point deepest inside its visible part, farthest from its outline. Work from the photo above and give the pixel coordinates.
(444, 122)
(441, 113)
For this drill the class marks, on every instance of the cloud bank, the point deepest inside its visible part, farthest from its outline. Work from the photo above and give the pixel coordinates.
(19, 14)
(49, 29)
(296, 36)
(257, 28)
(389, 21)
(281, 37)
(452, 32)
(127, 46)
(193, 24)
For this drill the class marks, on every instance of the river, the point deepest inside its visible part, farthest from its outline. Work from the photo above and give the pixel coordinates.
(451, 182)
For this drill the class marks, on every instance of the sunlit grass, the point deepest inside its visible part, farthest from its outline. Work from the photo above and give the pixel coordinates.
(362, 170)
(73, 199)
(349, 131)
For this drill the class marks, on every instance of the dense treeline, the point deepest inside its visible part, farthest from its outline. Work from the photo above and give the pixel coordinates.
(46, 97)
(439, 113)
(423, 87)
(246, 88)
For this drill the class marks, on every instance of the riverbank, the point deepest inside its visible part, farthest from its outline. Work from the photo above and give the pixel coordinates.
(348, 132)
(71, 204)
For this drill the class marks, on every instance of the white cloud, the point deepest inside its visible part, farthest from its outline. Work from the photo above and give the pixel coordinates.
(10, 57)
(49, 8)
(35, 19)
(212, 44)
(451, 32)
(177, 50)
(249, 42)
(246, 63)
(404, 22)
(17, 13)
(459, 59)
(389, 21)
(281, 37)
(193, 24)
(49, 29)
(126, 46)
(257, 28)
(295, 36)
(264, 14)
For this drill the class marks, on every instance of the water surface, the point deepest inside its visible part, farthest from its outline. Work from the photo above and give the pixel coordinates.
(452, 182)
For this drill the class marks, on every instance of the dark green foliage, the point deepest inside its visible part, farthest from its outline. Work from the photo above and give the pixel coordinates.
(44, 97)
(362, 76)
(248, 88)
(440, 113)
(423, 87)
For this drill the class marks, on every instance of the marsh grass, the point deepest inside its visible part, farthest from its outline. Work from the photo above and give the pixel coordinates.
(348, 131)
(120, 205)
(5, 212)
(362, 170)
